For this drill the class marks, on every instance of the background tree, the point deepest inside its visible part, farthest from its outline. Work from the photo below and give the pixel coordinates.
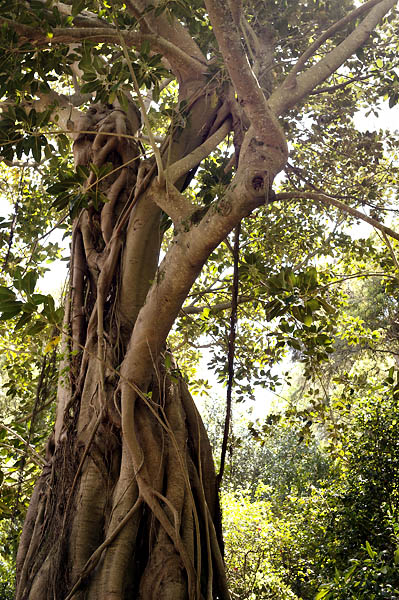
(127, 505)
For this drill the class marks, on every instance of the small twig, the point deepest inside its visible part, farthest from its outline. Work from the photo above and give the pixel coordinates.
(329, 201)
(21, 439)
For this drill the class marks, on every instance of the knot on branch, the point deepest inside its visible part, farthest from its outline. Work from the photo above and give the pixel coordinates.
(258, 183)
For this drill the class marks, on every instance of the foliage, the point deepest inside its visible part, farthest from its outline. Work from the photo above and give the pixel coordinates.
(373, 575)
(252, 539)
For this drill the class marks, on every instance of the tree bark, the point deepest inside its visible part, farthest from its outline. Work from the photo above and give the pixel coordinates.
(127, 506)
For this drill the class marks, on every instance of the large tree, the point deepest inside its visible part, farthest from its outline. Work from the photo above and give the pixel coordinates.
(127, 504)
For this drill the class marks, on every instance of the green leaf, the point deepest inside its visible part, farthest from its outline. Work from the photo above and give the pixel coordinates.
(145, 48)
(7, 304)
(327, 307)
(349, 572)
(38, 299)
(308, 320)
(205, 314)
(83, 172)
(312, 305)
(26, 317)
(90, 86)
(29, 307)
(36, 148)
(323, 594)
(10, 311)
(372, 554)
(29, 281)
(37, 327)
(6, 294)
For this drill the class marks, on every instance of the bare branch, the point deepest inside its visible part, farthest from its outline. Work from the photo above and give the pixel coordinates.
(283, 99)
(339, 86)
(66, 113)
(23, 30)
(85, 18)
(169, 27)
(329, 201)
(264, 142)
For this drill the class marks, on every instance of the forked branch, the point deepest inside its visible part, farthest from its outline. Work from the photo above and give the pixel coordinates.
(281, 101)
(312, 49)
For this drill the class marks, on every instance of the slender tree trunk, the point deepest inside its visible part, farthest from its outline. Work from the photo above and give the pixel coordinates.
(127, 506)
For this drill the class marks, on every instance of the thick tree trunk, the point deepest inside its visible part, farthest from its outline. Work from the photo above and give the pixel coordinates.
(127, 506)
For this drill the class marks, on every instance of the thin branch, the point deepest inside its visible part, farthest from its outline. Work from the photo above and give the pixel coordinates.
(22, 453)
(284, 98)
(231, 353)
(179, 58)
(312, 49)
(31, 450)
(23, 30)
(132, 38)
(329, 201)
(356, 276)
(86, 17)
(171, 28)
(339, 86)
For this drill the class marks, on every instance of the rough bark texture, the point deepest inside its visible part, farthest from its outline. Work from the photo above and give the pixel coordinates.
(132, 511)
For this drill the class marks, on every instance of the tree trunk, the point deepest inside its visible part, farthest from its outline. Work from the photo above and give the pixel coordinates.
(127, 506)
